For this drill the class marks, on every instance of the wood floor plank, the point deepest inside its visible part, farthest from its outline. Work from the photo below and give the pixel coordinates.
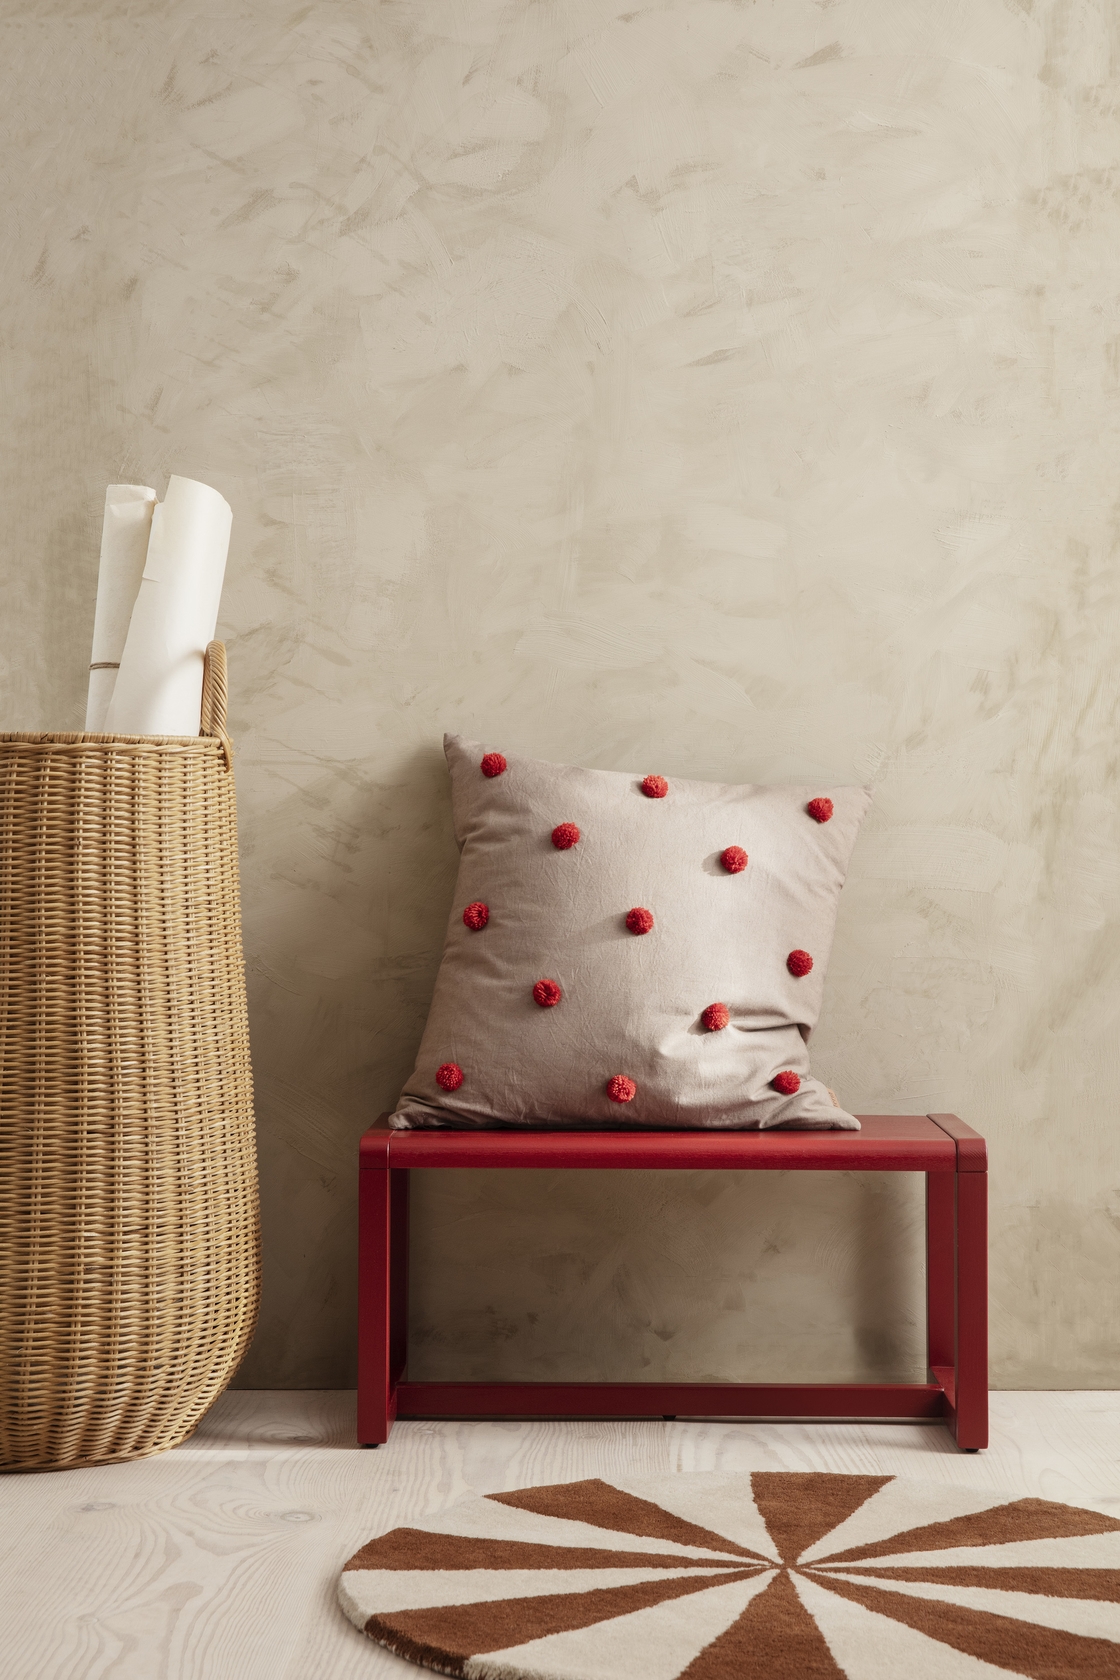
(218, 1561)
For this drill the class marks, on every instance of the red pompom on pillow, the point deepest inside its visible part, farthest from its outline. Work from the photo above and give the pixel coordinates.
(820, 809)
(639, 920)
(655, 787)
(716, 1017)
(449, 1076)
(493, 764)
(799, 963)
(565, 836)
(733, 859)
(547, 993)
(787, 1083)
(620, 1089)
(476, 915)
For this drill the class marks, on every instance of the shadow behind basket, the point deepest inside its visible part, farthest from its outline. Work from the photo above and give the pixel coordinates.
(129, 1231)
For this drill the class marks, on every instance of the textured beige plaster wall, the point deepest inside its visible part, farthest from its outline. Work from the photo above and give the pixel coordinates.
(726, 389)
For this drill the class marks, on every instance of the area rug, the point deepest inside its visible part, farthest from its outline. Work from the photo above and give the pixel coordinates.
(771, 1576)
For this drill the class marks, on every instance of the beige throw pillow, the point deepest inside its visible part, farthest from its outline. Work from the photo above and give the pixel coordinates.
(631, 951)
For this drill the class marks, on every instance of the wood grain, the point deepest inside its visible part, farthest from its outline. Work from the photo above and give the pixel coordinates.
(218, 1561)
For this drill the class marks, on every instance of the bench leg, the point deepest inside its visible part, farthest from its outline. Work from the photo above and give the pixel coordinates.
(957, 1299)
(941, 1270)
(398, 1286)
(380, 1329)
(971, 1420)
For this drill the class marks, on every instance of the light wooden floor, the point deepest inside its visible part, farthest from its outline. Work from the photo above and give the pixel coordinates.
(218, 1561)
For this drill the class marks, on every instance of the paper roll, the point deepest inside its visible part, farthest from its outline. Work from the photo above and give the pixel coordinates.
(159, 684)
(124, 546)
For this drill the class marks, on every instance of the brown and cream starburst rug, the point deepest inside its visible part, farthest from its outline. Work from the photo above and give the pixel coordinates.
(772, 1576)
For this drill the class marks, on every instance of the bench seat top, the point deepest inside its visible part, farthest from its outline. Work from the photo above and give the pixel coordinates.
(887, 1143)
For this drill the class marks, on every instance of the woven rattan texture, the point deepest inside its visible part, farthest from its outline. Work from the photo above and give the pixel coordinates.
(129, 1228)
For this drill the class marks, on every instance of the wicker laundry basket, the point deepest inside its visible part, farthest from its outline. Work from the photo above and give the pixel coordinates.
(129, 1229)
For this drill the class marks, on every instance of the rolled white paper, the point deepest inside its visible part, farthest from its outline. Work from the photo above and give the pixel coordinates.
(159, 684)
(124, 546)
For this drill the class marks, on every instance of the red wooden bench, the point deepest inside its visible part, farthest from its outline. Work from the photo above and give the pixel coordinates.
(952, 1156)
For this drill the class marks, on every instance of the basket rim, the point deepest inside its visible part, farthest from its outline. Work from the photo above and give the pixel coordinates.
(62, 740)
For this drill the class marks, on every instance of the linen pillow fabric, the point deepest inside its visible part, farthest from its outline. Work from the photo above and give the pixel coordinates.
(631, 951)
